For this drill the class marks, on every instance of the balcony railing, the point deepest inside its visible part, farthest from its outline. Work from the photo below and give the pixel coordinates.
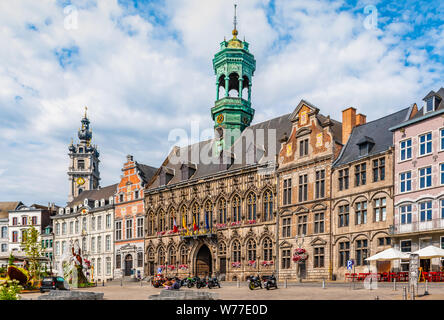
(417, 226)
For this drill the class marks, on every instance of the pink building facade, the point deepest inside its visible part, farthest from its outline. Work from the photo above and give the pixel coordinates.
(419, 180)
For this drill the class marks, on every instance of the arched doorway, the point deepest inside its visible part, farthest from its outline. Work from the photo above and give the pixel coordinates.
(128, 264)
(203, 263)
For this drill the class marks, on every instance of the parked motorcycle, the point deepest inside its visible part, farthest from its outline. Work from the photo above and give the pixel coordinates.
(191, 281)
(213, 282)
(254, 282)
(201, 283)
(269, 282)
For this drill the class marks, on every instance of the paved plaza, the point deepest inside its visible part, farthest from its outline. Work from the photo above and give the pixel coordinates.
(294, 291)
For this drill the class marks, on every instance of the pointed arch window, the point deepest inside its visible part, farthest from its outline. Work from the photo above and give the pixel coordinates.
(183, 255)
(208, 215)
(268, 249)
(162, 221)
(268, 205)
(161, 257)
(236, 251)
(196, 214)
(251, 206)
(237, 211)
(151, 224)
(251, 250)
(184, 217)
(222, 211)
(172, 256)
(172, 216)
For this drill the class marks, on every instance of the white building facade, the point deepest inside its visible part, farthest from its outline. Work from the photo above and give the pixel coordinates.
(87, 221)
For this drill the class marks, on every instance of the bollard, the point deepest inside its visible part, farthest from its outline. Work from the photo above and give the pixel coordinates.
(121, 282)
(285, 283)
(103, 283)
(404, 293)
(323, 284)
(412, 293)
(394, 284)
(141, 282)
(238, 283)
(426, 292)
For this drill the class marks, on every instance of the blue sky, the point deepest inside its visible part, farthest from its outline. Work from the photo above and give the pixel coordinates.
(143, 68)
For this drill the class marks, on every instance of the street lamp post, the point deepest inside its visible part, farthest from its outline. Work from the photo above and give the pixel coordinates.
(299, 245)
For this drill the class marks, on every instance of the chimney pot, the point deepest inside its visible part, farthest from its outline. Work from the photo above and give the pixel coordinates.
(361, 119)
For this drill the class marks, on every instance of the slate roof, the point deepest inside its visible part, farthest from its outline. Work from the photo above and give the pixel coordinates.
(440, 94)
(376, 131)
(6, 206)
(281, 124)
(102, 193)
(146, 172)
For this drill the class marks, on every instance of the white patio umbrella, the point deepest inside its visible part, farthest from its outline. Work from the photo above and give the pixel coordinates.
(430, 252)
(388, 255)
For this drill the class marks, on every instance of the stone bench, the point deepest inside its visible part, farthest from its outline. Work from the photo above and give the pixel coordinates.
(71, 295)
(184, 295)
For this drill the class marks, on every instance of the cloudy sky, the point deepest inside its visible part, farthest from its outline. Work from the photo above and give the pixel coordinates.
(144, 68)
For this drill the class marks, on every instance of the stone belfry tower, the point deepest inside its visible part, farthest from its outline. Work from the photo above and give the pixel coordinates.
(83, 171)
(234, 67)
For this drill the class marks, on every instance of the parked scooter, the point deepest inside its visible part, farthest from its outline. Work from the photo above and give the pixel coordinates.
(269, 282)
(254, 282)
(213, 282)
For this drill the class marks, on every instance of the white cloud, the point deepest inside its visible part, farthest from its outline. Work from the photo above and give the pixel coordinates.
(141, 79)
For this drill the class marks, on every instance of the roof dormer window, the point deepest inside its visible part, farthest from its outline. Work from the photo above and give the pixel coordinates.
(96, 204)
(61, 211)
(429, 105)
(111, 200)
(102, 202)
(365, 145)
(85, 202)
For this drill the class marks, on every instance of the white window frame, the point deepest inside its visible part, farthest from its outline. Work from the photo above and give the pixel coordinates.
(405, 181)
(441, 173)
(425, 177)
(400, 150)
(441, 139)
(419, 144)
(405, 213)
(426, 209)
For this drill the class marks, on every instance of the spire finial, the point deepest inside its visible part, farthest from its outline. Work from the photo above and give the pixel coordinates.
(86, 109)
(235, 23)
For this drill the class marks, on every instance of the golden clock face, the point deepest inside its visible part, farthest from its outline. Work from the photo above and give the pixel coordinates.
(80, 181)
(220, 118)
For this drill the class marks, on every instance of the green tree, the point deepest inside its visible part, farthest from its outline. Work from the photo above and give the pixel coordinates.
(11, 259)
(33, 249)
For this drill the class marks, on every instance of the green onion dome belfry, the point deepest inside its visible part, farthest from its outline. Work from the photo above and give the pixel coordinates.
(234, 67)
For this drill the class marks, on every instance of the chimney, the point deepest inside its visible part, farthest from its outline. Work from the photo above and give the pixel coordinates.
(361, 119)
(348, 123)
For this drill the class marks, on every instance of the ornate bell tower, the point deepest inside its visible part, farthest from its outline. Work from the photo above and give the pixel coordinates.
(234, 67)
(83, 171)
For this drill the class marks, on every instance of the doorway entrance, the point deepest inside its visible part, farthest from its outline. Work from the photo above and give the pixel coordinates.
(203, 262)
(128, 264)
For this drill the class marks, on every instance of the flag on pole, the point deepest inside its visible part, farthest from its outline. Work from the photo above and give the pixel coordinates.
(175, 226)
(184, 224)
(195, 226)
